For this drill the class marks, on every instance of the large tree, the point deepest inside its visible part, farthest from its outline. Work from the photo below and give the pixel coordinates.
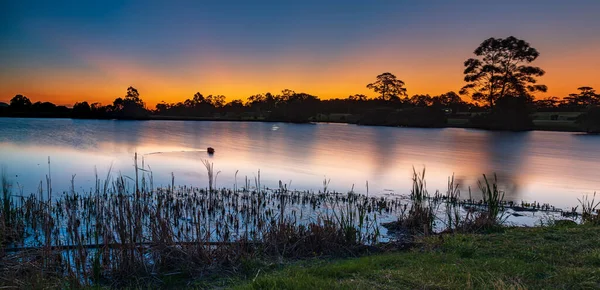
(133, 97)
(502, 68)
(20, 102)
(388, 86)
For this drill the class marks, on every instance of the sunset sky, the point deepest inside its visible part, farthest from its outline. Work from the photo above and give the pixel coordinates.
(68, 51)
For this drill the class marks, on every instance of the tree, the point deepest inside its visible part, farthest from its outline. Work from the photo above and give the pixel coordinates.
(510, 113)
(81, 110)
(450, 100)
(547, 103)
(502, 69)
(421, 100)
(161, 107)
(586, 97)
(130, 107)
(118, 104)
(197, 100)
(133, 97)
(358, 97)
(20, 102)
(388, 87)
(217, 101)
(235, 106)
(590, 120)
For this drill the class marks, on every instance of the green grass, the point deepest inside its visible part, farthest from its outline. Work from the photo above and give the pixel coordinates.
(517, 258)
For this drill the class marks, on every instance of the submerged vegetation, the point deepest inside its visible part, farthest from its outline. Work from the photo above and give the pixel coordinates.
(122, 230)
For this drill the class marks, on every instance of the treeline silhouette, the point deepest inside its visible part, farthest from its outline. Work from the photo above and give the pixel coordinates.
(500, 82)
(288, 106)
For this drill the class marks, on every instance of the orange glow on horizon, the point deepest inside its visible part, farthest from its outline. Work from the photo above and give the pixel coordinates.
(107, 77)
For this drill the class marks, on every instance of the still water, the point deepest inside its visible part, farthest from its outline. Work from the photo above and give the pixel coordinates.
(547, 167)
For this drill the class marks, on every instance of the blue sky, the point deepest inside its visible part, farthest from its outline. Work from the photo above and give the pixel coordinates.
(68, 50)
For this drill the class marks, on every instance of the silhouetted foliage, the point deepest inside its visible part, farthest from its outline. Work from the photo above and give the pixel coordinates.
(586, 98)
(501, 76)
(421, 100)
(409, 117)
(388, 86)
(20, 103)
(21, 106)
(130, 107)
(590, 121)
(82, 110)
(452, 101)
(502, 69)
(510, 113)
(4, 108)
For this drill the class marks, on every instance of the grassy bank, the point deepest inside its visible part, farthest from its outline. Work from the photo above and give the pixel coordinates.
(556, 257)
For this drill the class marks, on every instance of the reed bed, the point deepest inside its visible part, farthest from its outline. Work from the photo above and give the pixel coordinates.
(127, 228)
(119, 230)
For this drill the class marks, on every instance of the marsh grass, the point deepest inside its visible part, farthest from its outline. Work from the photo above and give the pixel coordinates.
(460, 215)
(116, 231)
(112, 233)
(590, 213)
(420, 217)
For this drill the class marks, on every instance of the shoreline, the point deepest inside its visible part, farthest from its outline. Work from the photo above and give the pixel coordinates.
(542, 125)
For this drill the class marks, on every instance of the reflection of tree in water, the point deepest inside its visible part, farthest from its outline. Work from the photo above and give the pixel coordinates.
(505, 158)
(384, 143)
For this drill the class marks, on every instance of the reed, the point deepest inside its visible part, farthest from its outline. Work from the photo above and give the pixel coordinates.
(492, 197)
(454, 218)
(126, 228)
(589, 209)
(120, 229)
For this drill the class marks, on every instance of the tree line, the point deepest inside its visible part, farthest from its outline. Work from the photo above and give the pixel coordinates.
(500, 83)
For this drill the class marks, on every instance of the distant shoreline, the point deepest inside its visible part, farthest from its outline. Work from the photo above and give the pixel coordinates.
(539, 125)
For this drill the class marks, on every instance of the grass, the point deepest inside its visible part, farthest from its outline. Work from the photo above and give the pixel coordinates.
(557, 257)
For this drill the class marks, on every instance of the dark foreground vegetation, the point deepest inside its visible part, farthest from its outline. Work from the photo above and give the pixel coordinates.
(500, 82)
(132, 234)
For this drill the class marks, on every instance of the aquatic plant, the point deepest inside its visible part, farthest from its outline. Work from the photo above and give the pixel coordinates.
(118, 231)
(589, 209)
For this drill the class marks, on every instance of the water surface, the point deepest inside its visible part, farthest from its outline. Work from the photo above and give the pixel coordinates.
(547, 167)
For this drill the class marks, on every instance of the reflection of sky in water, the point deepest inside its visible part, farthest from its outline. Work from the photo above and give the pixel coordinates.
(551, 167)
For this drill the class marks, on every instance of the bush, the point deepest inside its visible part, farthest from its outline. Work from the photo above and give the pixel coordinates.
(590, 121)
(510, 114)
(409, 117)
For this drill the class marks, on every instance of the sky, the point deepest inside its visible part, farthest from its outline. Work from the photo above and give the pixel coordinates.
(69, 51)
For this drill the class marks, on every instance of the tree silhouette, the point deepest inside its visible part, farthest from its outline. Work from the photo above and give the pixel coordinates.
(449, 100)
(81, 110)
(216, 101)
(590, 120)
(20, 102)
(502, 69)
(129, 107)
(133, 97)
(547, 103)
(388, 86)
(421, 100)
(196, 100)
(358, 97)
(586, 97)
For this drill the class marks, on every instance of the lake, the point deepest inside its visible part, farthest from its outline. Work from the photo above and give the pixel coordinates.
(547, 167)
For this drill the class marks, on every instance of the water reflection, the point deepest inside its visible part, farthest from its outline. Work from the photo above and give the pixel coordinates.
(549, 167)
(506, 154)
